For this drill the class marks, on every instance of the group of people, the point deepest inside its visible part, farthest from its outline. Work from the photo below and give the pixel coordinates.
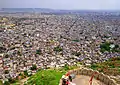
(67, 79)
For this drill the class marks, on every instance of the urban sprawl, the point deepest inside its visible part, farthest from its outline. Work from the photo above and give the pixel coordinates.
(48, 40)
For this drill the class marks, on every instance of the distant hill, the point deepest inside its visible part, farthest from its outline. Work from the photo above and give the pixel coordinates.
(47, 10)
(35, 10)
(26, 10)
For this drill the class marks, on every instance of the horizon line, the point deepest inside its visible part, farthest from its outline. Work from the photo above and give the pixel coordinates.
(62, 9)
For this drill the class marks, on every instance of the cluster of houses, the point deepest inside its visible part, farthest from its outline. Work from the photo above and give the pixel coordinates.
(54, 40)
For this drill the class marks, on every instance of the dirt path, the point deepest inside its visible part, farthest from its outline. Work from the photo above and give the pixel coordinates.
(84, 80)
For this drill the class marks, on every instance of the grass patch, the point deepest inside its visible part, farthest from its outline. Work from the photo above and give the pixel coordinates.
(45, 77)
(49, 76)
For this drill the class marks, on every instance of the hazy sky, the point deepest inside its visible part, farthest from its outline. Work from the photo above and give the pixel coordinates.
(62, 4)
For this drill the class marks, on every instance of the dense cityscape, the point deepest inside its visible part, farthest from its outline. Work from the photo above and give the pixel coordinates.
(31, 41)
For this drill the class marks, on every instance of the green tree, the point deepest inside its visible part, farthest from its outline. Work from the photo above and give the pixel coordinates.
(34, 67)
(6, 83)
(38, 51)
(12, 80)
(6, 71)
(25, 73)
(58, 49)
(106, 47)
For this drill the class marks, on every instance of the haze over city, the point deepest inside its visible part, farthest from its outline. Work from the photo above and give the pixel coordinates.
(63, 4)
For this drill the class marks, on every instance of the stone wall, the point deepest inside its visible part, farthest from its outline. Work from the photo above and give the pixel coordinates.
(89, 72)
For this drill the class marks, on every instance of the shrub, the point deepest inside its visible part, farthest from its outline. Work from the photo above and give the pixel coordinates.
(6, 83)
(66, 67)
(105, 47)
(58, 49)
(34, 67)
(76, 53)
(111, 65)
(38, 51)
(94, 66)
(6, 71)
(12, 80)
(25, 73)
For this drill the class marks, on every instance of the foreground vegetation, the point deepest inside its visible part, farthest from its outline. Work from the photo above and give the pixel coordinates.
(45, 77)
(42, 77)
(49, 76)
(110, 67)
(52, 76)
